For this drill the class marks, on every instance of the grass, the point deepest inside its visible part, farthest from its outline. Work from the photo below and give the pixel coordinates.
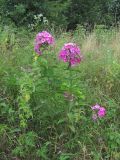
(54, 131)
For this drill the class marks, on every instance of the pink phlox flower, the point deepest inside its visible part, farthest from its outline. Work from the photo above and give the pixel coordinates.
(98, 111)
(43, 38)
(70, 53)
(96, 107)
(101, 112)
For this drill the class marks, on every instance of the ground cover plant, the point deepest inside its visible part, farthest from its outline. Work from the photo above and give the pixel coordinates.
(59, 94)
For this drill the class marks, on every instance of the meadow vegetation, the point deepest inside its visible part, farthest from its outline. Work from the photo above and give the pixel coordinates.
(45, 107)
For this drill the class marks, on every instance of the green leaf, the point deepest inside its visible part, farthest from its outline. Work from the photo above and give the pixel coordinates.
(72, 128)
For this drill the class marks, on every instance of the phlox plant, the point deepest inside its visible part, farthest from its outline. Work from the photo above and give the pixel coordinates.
(66, 87)
(101, 111)
(60, 101)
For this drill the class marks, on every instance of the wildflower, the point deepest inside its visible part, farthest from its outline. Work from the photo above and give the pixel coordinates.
(70, 53)
(101, 112)
(42, 38)
(98, 111)
(96, 107)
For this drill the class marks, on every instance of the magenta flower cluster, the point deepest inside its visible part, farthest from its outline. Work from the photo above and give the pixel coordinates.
(42, 38)
(100, 111)
(70, 53)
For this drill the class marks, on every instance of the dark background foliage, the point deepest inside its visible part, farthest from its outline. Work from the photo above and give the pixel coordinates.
(66, 13)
